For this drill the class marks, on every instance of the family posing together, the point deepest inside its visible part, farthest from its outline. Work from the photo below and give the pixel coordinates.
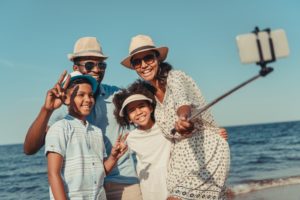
(112, 143)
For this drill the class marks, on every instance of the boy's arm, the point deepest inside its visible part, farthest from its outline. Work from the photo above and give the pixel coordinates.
(35, 137)
(55, 162)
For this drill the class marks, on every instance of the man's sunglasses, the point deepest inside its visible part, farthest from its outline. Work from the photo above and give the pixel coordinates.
(148, 59)
(90, 65)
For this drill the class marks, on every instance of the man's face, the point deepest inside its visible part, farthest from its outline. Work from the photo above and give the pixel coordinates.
(93, 66)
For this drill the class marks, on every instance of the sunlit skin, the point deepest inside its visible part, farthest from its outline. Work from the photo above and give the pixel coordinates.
(96, 72)
(139, 113)
(147, 71)
(80, 100)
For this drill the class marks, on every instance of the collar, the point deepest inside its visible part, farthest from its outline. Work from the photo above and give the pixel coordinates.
(78, 120)
(101, 90)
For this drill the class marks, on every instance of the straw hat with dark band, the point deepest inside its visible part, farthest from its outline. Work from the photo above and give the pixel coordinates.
(141, 43)
(86, 47)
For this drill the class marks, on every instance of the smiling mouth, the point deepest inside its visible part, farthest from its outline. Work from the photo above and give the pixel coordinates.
(86, 107)
(147, 72)
(141, 118)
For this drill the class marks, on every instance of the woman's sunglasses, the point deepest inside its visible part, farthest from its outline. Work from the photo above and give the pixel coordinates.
(148, 59)
(90, 65)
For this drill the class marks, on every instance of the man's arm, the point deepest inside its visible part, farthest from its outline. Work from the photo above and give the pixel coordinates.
(35, 137)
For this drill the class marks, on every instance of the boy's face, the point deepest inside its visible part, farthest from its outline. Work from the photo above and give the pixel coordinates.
(139, 113)
(81, 100)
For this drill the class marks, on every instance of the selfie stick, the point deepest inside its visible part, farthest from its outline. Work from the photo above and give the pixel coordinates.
(264, 71)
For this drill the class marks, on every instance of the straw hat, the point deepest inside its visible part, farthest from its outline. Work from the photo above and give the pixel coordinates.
(141, 43)
(87, 46)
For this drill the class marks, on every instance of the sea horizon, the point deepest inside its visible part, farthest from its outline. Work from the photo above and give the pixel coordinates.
(225, 126)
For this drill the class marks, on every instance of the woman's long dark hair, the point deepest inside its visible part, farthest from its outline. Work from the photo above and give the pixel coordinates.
(163, 71)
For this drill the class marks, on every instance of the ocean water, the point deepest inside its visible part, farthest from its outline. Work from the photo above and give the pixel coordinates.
(262, 156)
(22, 177)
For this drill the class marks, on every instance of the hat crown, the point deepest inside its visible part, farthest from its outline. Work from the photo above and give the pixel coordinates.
(85, 47)
(140, 41)
(87, 44)
(143, 43)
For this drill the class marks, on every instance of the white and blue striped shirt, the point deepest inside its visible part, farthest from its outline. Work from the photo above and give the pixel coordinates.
(83, 151)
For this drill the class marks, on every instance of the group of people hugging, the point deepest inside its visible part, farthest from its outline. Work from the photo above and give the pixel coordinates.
(135, 143)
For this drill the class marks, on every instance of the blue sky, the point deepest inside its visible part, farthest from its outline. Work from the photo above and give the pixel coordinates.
(36, 37)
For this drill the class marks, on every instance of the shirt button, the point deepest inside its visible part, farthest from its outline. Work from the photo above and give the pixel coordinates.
(93, 163)
(95, 182)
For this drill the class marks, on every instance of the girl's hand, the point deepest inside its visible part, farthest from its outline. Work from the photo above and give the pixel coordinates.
(223, 133)
(120, 147)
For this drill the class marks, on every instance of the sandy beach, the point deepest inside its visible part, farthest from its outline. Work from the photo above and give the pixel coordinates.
(288, 192)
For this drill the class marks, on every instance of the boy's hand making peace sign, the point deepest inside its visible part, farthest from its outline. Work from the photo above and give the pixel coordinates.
(56, 96)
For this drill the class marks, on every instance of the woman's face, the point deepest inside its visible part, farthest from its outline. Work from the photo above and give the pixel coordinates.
(145, 65)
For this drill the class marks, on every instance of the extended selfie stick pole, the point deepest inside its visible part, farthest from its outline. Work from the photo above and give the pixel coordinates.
(262, 73)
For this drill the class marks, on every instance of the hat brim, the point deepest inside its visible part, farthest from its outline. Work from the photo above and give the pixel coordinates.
(132, 98)
(86, 54)
(163, 53)
(89, 78)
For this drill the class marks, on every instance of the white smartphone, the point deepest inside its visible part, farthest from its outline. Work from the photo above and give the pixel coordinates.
(248, 49)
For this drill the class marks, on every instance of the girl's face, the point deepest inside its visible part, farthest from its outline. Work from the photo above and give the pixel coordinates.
(139, 113)
(145, 65)
(81, 100)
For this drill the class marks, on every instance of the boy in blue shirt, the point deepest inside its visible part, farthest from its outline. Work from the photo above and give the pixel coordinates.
(75, 150)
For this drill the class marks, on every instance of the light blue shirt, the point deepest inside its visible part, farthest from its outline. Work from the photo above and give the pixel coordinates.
(102, 116)
(83, 152)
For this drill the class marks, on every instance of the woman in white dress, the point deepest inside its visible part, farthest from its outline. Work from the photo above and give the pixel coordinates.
(200, 158)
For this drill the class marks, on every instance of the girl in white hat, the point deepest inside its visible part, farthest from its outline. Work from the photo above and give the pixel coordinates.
(135, 105)
(200, 158)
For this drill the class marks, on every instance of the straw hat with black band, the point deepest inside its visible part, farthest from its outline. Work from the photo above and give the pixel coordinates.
(87, 47)
(142, 43)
